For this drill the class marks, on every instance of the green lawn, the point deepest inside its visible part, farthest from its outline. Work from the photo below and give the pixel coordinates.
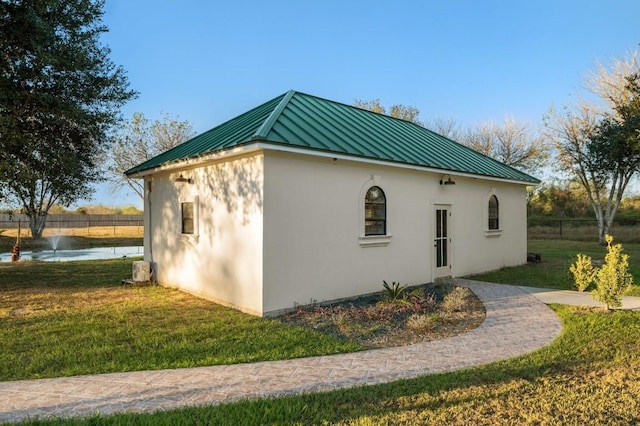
(69, 318)
(557, 256)
(589, 375)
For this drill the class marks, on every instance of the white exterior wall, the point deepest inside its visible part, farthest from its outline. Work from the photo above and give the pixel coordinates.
(314, 218)
(476, 249)
(223, 260)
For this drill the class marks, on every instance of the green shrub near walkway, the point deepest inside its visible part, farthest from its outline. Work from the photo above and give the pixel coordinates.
(557, 257)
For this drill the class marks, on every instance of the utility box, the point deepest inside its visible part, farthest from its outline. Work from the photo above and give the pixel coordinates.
(141, 271)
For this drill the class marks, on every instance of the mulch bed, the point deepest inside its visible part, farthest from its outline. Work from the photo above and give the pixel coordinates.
(424, 313)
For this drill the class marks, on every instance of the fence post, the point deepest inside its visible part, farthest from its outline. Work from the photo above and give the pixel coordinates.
(561, 228)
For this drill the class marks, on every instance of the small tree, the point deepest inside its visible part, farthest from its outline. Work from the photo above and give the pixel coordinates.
(583, 272)
(613, 278)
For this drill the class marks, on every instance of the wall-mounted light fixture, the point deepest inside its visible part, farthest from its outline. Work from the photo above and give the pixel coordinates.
(182, 179)
(448, 181)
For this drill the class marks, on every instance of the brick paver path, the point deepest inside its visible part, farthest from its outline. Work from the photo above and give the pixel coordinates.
(516, 323)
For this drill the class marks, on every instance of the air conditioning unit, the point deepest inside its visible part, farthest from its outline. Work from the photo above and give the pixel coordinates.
(141, 271)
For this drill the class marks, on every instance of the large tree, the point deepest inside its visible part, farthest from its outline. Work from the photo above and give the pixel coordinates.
(59, 96)
(599, 143)
(447, 127)
(513, 143)
(139, 140)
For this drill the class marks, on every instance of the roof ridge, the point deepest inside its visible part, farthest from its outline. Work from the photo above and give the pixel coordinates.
(351, 106)
(265, 128)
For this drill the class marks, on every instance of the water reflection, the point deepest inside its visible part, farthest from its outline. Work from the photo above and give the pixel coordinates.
(80, 254)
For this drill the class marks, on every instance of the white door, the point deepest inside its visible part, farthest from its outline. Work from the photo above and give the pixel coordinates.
(441, 241)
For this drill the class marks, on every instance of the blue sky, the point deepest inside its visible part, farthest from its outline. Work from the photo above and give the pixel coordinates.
(472, 61)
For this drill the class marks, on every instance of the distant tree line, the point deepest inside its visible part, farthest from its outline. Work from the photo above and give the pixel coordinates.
(93, 209)
(569, 200)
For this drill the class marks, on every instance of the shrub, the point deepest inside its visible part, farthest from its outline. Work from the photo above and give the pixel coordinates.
(422, 322)
(613, 278)
(394, 292)
(455, 300)
(583, 272)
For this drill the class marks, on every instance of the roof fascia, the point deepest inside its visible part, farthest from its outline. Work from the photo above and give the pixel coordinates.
(268, 146)
(197, 161)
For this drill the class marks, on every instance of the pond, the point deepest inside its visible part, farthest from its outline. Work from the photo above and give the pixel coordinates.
(80, 254)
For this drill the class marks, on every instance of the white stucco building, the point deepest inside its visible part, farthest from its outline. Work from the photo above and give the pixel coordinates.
(304, 200)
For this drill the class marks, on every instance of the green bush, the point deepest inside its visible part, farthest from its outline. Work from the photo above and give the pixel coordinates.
(394, 292)
(583, 272)
(613, 278)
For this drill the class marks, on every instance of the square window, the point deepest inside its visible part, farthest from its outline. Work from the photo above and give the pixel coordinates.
(187, 217)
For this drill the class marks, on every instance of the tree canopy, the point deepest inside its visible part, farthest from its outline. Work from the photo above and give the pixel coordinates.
(512, 143)
(59, 96)
(403, 112)
(599, 143)
(138, 140)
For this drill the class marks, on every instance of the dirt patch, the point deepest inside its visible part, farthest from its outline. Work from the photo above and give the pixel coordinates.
(423, 313)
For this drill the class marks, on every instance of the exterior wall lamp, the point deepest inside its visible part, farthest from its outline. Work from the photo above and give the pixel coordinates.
(448, 181)
(182, 179)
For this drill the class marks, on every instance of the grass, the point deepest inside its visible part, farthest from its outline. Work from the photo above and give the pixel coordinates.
(589, 375)
(70, 318)
(553, 272)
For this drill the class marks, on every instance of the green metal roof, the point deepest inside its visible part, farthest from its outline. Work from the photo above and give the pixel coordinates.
(299, 120)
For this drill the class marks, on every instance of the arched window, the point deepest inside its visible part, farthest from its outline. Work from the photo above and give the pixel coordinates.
(494, 213)
(375, 212)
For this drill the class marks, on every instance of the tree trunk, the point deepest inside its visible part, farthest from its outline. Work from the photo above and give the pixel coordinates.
(603, 230)
(37, 223)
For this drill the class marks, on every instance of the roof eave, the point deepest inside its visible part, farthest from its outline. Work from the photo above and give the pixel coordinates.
(197, 160)
(260, 144)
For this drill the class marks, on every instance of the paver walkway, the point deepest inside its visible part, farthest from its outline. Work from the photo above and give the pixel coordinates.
(516, 323)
